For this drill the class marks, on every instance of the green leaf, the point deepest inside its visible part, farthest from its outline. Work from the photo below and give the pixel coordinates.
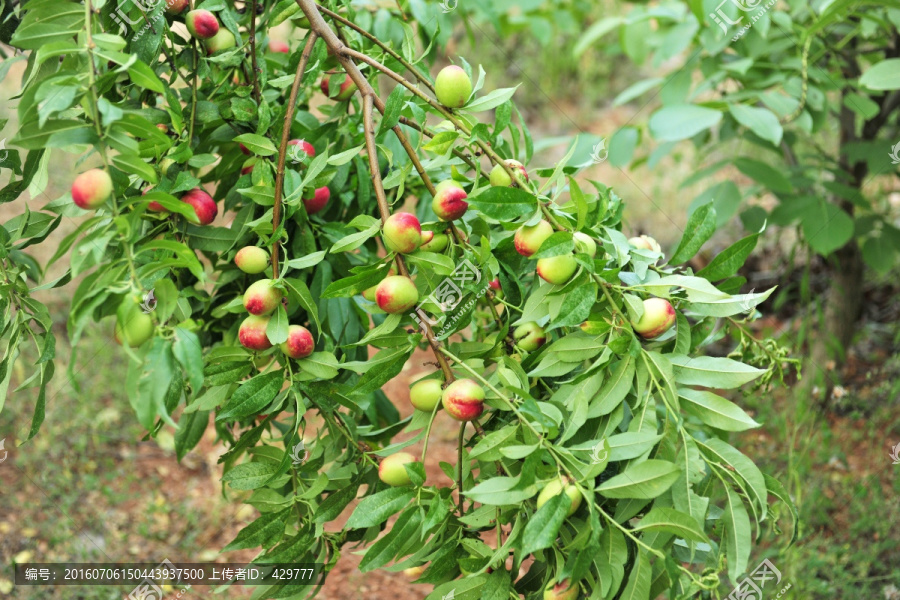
(191, 427)
(386, 548)
(347, 155)
(335, 503)
(299, 289)
(715, 410)
(774, 487)
(355, 240)
(576, 306)
(681, 121)
(252, 396)
(726, 263)
(542, 528)
(491, 100)
(700, 227)
(826, 227)
(500, 491)
(392, 108)
(504, 203)
(631, 444)
(378, 508)
(46, 23)
(884, 75)
(645, 480)
(880, 253)
(636, 90)
(257, 144)
(433, 262)
(322, 365)
(614, 390)
(716, 450)
(736, 534)
(143, 76)
(622, 146)
(442, 142)
(304, 262)
(712, 371)
(638, 586)
(249, 476)
(264, 532)
(672, 521)
(765, 174)
(189, 354)
(227, 372)
(277, 329)
(212, 239)
(595, 32)
(133, 164)
(559, 243)
(760, 121)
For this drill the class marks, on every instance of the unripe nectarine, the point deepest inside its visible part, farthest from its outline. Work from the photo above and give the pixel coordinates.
(463, 400)
(91, 189)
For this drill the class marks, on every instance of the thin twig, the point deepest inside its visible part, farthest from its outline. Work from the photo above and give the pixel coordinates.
(285, 137)
(460, 440)
(380, 44)
(193, 94)
(256, 94)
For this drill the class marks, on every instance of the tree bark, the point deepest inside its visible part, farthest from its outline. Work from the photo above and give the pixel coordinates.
(843, 300)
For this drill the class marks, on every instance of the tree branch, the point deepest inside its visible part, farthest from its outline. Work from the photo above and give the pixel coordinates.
(379, 43)
(285, 137)
(255, 80)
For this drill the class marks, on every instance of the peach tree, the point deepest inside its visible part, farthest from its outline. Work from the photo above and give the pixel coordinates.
(274, 229)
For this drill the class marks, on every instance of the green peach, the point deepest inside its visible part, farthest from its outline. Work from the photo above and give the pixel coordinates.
(437, 243)
(658, 318)
(251, 259)
(252, 333)
(463, 400)
(557, 269)
(584, 244)
(202, 24)
(402, 233)
(449, 203)
(453, 87)
(396, 294)
(500, 178)
(133, 326)
(528, 238)
(300, 342)
(392, 469)
(561, 591)
(262, 297)
(529, 336)
(426, 394)
(91, 189)
(645, 242)
(557, 486)
(223, 40)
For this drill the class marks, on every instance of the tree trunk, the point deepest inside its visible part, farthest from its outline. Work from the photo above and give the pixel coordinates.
(846, 269)
(842, 305)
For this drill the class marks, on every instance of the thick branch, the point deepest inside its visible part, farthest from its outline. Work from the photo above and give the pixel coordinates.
(285, 137)
(385, 210)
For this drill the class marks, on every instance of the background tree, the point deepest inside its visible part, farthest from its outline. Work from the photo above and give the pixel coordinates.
(802, 100)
